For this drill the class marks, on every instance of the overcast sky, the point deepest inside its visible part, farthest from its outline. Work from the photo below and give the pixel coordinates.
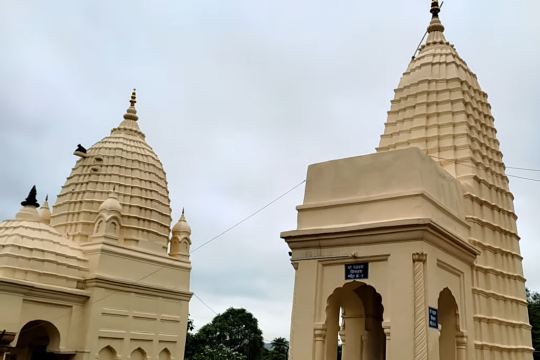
(238, 97)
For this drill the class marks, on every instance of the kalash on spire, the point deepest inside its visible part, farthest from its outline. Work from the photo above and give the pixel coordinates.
(412, 252)
(100, 277)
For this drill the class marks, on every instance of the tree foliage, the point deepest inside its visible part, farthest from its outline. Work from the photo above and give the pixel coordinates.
(279, 350)
(236, 331)
(533, 301)
(221, 352)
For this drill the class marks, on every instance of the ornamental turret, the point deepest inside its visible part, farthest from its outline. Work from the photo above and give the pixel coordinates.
(44, 212)
(181, 238)
(109, 219)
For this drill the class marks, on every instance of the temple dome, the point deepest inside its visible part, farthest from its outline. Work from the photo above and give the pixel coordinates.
(111, 204)
(182, 226)
(36, 252)
(125, 163)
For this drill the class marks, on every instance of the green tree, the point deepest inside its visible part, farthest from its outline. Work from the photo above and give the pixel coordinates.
(235, 329)
(220, 352)
(279, 349)
(191, 341)
(533, 301)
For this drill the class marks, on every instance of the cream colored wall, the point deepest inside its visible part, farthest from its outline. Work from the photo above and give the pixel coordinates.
(126, 321)
(391, 274)
(139, 300)
(20, 307)
(404, 215)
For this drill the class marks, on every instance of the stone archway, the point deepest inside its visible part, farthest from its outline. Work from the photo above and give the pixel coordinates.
(354, 316)
(39, 339)
(451, 339)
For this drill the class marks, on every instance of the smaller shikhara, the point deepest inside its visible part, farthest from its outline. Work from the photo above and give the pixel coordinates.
(104, 274)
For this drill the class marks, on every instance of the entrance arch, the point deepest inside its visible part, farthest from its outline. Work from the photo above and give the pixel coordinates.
(449, 323)
(355, 313)
(38, 339)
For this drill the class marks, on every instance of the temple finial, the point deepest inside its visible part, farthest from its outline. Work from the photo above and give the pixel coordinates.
(435, 24)
(46, 197)
(435, 8)
(133, 99)
(31, 199)
(131, 113)
(182, 211)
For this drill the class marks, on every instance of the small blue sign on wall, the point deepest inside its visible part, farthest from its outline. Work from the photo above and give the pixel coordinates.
(356, 271)
(433, 318)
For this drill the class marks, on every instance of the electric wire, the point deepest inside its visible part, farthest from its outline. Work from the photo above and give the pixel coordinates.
(247, 217)
(475, 167)
(205, 304)
(521, 168)
(423, 37)
(95, 301)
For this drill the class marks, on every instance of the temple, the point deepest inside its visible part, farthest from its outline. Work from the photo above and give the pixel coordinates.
(104, 276)
(412, 252)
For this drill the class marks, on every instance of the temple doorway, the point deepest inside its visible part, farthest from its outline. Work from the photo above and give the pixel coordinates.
(449, 323)
(38, 340)
(354, 331)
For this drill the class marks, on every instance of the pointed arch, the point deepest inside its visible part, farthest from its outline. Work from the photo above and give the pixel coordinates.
(107, 353)
(99, 227)
(138, 354)
(165, 354)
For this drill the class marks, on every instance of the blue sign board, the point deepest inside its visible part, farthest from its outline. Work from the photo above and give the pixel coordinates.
(433, 318)
(356, 271)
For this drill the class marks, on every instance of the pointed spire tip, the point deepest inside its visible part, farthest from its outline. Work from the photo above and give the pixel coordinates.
(435, 24)
(133, 99)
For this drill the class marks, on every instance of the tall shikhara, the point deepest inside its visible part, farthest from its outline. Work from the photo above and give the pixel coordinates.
(440, 108)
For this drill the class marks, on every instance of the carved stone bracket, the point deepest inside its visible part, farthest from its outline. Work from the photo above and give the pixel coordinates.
(419, 257)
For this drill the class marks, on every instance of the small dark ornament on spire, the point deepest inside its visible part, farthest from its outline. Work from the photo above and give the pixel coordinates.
(81, 148)
(31, 199)
(133, 99)
(435, 8)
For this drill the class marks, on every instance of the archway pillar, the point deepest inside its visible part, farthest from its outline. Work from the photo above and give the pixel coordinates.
(343, 338)
(355, 333)
(461, 346)
(319, 336)
(386, 329)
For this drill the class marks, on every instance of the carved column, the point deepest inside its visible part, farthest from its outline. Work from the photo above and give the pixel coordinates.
(420, 321)
(319, 337)
(461, 346)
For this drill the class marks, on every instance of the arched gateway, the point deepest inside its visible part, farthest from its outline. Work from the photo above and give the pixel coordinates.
(39, 339)
(354, 314)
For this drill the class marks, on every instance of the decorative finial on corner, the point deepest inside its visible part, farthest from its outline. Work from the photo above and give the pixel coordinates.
(182, 211)
(31, 199)
(47, 198)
